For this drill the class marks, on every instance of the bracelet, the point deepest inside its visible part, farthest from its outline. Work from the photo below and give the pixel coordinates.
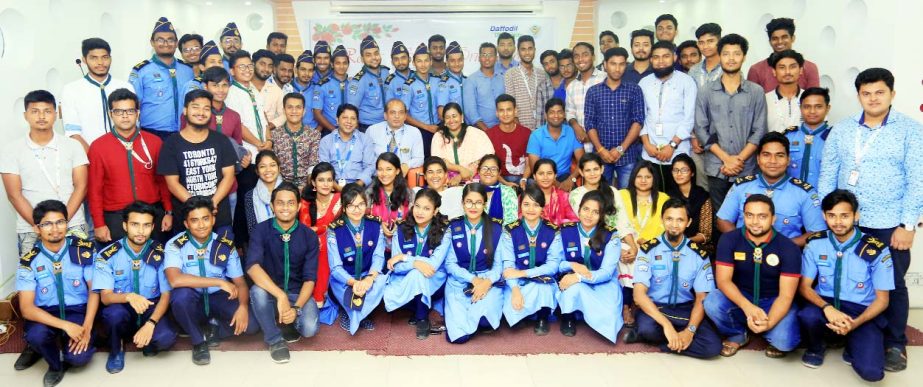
(824, 307)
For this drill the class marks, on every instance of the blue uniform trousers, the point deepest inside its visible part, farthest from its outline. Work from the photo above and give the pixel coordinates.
(189, 313)
(121, 322)
(899, 301)
(865, 343)
(705, 344)
(51, 342)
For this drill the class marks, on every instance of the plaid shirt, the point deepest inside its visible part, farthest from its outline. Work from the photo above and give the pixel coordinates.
(576, 95)
(612, 112)
(544, 92)
(522, 85)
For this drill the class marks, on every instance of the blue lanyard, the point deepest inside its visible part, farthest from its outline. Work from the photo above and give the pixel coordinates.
(341, 162)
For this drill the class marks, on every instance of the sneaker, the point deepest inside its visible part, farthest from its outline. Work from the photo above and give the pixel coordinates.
(52, 378)
(116, 362)
(895, 360)
(279, 352)
(290, 334)
(27, 358)
(813, 359)
(344, 322)
(200, 354)
(367, 324)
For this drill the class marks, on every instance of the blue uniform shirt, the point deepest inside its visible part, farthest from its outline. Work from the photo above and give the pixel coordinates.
(515, 248)
(656, 265)
(451, 89)
(806, 151)
(480, 95)
(395, 87)
(220, 259)
(343, 250)
(797, 204)
(194, 84)
(499, 69)
(318, 76)
(299, 88)
(115, 270)
(37, 270)
(367, 92)
(158, 87)
(603, 265)
(329, 94)
(421, 98)
(865, 266)
(308, 94)
(458, 260)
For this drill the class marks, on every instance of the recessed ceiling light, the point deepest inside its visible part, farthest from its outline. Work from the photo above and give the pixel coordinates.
(248, 3)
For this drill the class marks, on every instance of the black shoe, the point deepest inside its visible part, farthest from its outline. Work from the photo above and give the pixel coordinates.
(541, 327)
(200, 355)
(52, 378)
(631, 334)
(423, 329)
(412, 321)
(289, 334)
(211, 336)
(27, 358)
(149, 351)
(568, 327)
(279, 352)
(895, 360)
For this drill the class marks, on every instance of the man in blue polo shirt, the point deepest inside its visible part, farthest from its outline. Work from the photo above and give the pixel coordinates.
(482, 88)
(556, 141)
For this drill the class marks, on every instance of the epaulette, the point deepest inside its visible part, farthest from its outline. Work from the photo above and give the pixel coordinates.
(389, 79)
(647, 246)
(816, 235)
(26, 260)
(512, 225)
(83, 251)
(199, 79)
(155, 255)
(180, 61)
(222, 249)
(410, 80)
(869, 247)
(359, 75)
(141, 64)
(698, 249)
(790, 129)
(745, 179)
(550, 224)
(610, 228)
(400, 221)
(373, 218)
(444, 77)
(497, 221)
(111, 250)
(801, 184)
(568, 224)
(181, 241)
(323, 80)
(336, 223)
(380, 68)
(460, 217)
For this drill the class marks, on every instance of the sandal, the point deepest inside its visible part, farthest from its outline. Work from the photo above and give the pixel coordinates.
(730, 348)
(775, 353)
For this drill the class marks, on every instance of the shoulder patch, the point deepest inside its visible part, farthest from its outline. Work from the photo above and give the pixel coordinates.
(142, 64)
(609, 228)
(698, 250)
(373, 218)
(790, 129)
(801, 184)
(647, 246)
(323, 80)
(26, 260)
(869, 247)
(180, 61)
(512, 225)
(336, 223)
(497, 221)
(444, 77)
(181, 241)
(83, 251)
(745, 179)
(550, 225)
(198, 79)
(457, 218)
(568, 224)
(111, 250)
(816, 235)
(359, 75)
(389, 78)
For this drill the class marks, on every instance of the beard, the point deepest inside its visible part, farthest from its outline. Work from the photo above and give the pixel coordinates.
(262, 76)
(730, 72)
(554, 74)
(761, 234)
(674, 238)
(664, 72)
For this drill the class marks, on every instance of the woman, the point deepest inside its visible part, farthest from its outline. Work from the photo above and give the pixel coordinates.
(471, 299)
(557, 209)
(531, 251)
(501, 198)
(436, 177)
(416, 261)
(320, 205)
(643, 201)
(588, 283)
(257, 201)
(460, 145)
(388, 193)
(697, 201)
(591, 169)
(298, 151)
(356, 252)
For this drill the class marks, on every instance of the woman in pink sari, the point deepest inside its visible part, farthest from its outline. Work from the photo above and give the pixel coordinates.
(557, 206)
(388, 195)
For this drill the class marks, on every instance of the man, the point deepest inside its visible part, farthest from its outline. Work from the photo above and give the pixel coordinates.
(304, 75)
(84, 104)
(481, 88)
(272, 95)
(510, 139)
(672, 315)
(223, 119)
(129, 274)
(115, 183)
(157, 82)
(522, 83)
(199, 162)
(587, 77)
(607, 40)
(614, 113)
(204, 270)
(330, 93)
(707, 37)
(808, 138)
(669, 112)
(321, 61)
(276, 43)
(781, 33)
(666, 28)
(568, 72)
(796, 202)
(283, 70)
(251, 105)
(44, 166)
(230, 43)
(451, 89)
(351, 153)
(282, 261)
(209, 57)
(394, 83)
(305, 67)
(757, 278)
(295, 143)
(54, 279)
(689, 55)
(730, 120)
(556, 141)
(782, 110)
(641, 42)
(395, 136)
(190, 47)
(436, 45)
(422, 90)
(548, 82)
(367, 87)
(887, 177)
(848, 304)
(506, 46)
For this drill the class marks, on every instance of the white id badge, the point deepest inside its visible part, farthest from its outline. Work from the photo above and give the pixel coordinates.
(658, 129)
(341, 182)
(853, 178)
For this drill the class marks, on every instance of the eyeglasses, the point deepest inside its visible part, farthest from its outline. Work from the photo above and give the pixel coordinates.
(471, 205)
(245, 67)
(681, 171)
(356, 207)
(123, 112)
(231, 40)
(162, 41)
(490, 169)
(60, 223)
(192, 49)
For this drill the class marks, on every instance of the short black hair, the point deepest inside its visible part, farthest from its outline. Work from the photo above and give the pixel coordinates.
(566, 54)
(346, 106)
(487, 45)
(138, 207)
(587, 45)
(781, 23)
(294, 95)
(663, 44)
(47, 206)
(772, 137)
(238, 56)
(435, 38)
(708, 28)
(123, 94)
(190, 37)
(873, 75)
(262, 54)
(94, 44)
(641, 33)
(666, 16)
(505, 36)
(215, 74)
(505, 98)
(196, 94)
(547, 53)
(37, 96)
(609, 33)
(821, 91)
(275, 35)
(286, 186)
(615, 51)
(687, 44)
(283, 57)
(674, 203)
(734, 40)
(760, 198)
(198, 201)
(777, 56)
(524, 38)
(839, 196)
(552, 103)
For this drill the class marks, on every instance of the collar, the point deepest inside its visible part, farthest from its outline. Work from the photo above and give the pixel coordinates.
(719, 86)
(53, 144)
(780, 97)
(885, 121)
(778, 185)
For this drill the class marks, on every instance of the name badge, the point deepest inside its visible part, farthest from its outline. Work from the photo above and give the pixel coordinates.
(191, 263)
(459, 236)
(573, 249)
(660, 267)
(349, 254)
(522, 255)
(409, 246)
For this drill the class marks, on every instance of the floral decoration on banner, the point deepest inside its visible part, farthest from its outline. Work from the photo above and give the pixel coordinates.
(335, 32)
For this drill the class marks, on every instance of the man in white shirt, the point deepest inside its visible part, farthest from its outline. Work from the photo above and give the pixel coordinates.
(576, 90)
(84, 102)
(245, 99)
(783, 105)
(263, 61)
(395, 136)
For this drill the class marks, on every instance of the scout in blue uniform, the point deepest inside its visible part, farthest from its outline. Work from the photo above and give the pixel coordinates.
(367, 87)
(473, 298)
(205, 273)
(531, 252)
(796, 202)
(321, 61)
(305, 65)
(53, 281)
(757, 278)
(356, 254)
(130, 277)
(417, 273)
(395, 82)
(420, 98)
(230, 43)
(854, 274)
(589, 272)
(158, 81)
(451, 87)
(668, 269)
(209, 57)
(330, 92)
(808, 139)
(282, 262)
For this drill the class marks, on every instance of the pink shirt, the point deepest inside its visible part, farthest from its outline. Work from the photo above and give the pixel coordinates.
(761, 74)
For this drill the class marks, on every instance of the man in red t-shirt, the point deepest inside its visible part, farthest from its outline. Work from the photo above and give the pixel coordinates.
(510, 140)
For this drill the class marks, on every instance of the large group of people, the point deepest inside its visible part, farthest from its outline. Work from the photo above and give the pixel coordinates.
(656, 195)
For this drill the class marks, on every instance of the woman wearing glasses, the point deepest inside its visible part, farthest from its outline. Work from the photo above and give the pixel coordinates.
(697, 201)
(501, 198)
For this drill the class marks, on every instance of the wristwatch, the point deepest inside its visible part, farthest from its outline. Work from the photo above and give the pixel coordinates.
(620, 150)
(673, 144)
(692, 328)
(168, 213)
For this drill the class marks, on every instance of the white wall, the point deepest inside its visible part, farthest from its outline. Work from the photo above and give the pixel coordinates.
(41, 39)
